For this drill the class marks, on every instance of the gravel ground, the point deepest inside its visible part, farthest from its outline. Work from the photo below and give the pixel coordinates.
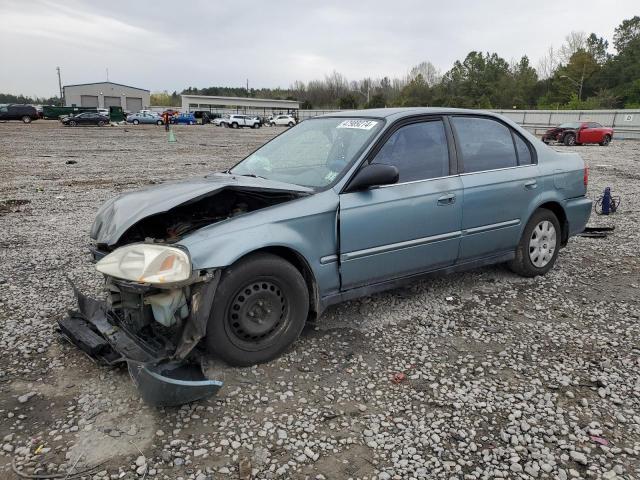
(471, 376)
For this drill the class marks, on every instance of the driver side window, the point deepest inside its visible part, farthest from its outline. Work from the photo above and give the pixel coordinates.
(419, 151)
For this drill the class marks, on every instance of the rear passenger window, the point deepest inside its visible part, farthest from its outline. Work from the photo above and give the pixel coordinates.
(485, 144)
(524, 154)
(419, 151)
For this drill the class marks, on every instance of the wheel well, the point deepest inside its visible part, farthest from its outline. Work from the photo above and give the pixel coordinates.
(301, 264)
(559, 212)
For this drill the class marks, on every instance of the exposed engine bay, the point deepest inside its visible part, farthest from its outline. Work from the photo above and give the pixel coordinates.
(172, 225)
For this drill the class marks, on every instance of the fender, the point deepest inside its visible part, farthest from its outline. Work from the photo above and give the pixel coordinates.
(312, 237)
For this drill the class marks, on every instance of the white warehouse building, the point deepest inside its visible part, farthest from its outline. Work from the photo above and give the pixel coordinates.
(105, 95)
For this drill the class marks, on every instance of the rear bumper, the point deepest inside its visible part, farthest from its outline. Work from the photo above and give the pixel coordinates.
(165, 374)
(578, 211)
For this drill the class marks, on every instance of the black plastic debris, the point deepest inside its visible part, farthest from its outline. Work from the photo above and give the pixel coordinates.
(596, 232)
(171, 384)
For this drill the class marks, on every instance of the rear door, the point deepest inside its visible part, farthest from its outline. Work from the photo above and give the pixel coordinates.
(408, 227)
(500, 181)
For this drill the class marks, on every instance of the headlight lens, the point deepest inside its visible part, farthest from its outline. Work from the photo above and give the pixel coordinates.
(147, 263)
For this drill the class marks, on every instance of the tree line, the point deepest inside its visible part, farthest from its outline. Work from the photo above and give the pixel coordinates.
(582, 73)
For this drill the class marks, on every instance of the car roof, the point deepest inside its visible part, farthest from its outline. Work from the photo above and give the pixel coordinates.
(396, 113)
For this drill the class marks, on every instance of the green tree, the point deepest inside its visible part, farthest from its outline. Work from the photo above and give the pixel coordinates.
(377, 101)
(597, 47)
(347, 102)
(416, 93)
(626, 33)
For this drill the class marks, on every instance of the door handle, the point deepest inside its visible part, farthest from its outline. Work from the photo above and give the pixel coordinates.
(447, 199)
(530, 184)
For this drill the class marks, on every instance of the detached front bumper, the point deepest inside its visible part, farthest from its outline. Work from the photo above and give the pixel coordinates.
(163, 367)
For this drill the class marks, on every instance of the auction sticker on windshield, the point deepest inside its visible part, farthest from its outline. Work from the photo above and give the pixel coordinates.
(359, 124)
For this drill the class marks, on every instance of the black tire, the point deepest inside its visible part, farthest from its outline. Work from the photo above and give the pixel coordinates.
(569, 140)
(234, 333)
(523, 264)
(234, 125)
(159, 122)
(136, 122)
(72, 123)
(606, 140)
(26, 119)
(291, 124)
(101, 123)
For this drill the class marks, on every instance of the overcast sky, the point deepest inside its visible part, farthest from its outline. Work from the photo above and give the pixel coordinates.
(170, 45)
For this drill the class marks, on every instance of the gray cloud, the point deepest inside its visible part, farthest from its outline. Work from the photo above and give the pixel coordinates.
(171, 45)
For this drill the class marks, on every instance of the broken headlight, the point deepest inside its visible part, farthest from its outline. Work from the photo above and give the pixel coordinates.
(147, 263)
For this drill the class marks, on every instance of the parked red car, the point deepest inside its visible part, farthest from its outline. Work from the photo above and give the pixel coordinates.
(578, 133)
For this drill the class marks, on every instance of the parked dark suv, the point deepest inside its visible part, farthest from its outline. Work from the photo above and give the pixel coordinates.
(14, 111)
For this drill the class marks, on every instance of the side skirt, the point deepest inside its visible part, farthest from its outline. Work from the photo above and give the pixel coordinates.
(367, 290)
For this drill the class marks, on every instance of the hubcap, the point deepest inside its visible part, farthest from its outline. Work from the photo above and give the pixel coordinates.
(542, 244)
(257, 314)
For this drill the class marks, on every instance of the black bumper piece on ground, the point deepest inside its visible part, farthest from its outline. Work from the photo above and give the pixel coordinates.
(161, 379)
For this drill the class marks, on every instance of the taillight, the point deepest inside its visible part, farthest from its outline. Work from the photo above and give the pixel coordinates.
(585, 178)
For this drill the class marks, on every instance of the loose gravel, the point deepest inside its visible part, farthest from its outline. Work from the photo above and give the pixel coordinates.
(477, 375)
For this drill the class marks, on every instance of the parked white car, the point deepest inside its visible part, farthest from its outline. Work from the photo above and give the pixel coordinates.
(103, 111)
(238, 121)
(286, 120)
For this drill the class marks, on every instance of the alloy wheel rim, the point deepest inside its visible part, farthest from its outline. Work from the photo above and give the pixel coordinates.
(542, 244)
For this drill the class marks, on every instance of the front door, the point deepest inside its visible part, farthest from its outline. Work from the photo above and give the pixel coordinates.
(408, 227)
(500, 181)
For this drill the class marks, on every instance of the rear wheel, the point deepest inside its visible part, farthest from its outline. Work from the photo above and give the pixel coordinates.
(259, 310)
(569, 139)
(26, 119)
(290, 124)
(606, 140)
(101, 123)
(159, 122)
(234, 125)
(538, 248)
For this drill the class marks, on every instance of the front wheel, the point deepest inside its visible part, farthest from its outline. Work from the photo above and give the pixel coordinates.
(136, 122)
(159, 122)
(259, 310)
(290, 124)
(72, 123)
(569, 139)
(101, 123)
(606, 140)
(26, 119)
(539, 245)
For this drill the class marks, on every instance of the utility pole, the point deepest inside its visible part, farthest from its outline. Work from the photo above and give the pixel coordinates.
(107, 73)
(247, 88)
(60, 86)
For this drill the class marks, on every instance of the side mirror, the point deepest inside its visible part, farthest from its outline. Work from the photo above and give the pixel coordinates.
(373, 175)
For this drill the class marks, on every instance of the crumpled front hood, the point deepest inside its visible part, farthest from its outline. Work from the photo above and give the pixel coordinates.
(117, 215)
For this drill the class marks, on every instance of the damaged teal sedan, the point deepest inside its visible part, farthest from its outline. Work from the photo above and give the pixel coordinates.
(338, 207)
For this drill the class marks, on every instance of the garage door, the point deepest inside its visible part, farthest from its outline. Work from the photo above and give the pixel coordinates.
(89, 101)
(134, 104)
(112, 102)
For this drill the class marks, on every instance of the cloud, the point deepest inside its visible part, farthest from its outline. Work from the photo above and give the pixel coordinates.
(171, 45)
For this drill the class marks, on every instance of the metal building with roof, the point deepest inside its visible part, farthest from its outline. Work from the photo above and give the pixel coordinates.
(237, 104)
(105, 95)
